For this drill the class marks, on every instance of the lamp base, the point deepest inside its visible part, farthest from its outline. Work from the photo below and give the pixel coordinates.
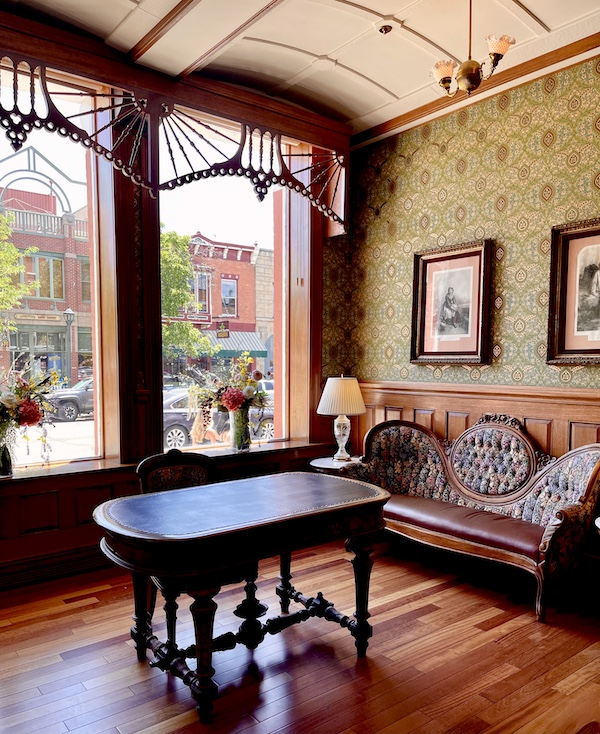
(341, 431)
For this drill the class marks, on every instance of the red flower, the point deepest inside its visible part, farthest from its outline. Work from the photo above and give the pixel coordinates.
(28, 413)
(233, 398)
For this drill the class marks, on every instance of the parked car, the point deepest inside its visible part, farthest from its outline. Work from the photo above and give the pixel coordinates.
(68, 403)
(177, 424)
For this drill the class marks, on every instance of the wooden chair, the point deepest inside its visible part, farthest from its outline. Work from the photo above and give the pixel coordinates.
(175, 470)
(162, 472)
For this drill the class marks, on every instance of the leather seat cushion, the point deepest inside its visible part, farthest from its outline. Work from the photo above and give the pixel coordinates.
(479, 526)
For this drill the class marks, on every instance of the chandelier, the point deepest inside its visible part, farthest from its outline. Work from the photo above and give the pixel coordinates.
(470, 73)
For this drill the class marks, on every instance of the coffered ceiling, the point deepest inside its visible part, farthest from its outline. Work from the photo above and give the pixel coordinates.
(330, 56)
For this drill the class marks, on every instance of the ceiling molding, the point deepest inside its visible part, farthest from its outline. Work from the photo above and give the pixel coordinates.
(162, 28)
(442, 105)
(206, 57)
(526, 16)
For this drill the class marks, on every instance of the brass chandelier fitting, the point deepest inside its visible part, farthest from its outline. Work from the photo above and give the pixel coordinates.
(470, 73)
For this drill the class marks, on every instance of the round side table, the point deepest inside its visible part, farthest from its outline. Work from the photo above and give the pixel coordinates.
(328, 465)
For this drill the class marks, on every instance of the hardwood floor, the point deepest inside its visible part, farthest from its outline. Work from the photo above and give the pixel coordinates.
(451, 653)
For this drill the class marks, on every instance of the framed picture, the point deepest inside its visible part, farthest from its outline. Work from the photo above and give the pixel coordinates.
(574, 304)
(451, 306)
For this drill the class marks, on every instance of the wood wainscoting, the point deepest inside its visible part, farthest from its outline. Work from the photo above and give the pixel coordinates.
(557, 419)
(46, 525)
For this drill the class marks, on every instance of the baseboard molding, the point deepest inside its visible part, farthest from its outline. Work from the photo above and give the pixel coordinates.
(28, 571)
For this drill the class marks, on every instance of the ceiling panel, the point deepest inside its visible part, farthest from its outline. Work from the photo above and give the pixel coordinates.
(327, 55)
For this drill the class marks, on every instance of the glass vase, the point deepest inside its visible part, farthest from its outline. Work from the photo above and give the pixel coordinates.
(6, 467)
(239, 429)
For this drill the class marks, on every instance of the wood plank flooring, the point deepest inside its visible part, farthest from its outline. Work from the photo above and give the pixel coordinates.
(456, 650)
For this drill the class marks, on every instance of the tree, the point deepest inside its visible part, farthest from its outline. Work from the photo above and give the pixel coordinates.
(11, 289)
(176, 272)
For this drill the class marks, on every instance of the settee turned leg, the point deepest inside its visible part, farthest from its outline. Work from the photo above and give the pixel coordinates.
(540, 599)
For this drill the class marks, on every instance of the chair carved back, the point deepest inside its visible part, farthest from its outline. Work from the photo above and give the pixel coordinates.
(175, 470)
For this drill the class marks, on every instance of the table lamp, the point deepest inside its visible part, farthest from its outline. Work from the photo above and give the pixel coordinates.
(341, 397)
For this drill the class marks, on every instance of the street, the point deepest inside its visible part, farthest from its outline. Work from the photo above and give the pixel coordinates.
(67, 441)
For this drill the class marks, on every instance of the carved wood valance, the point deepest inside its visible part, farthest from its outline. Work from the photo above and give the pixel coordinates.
(181, 144)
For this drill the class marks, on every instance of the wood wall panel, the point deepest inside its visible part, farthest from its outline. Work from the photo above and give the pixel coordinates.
(88, 498)
(424, 418)
(558, 419)
(394, 414)
(46, 525)
(583, 433)
(38, 512)
(541, 432)
(456, 423)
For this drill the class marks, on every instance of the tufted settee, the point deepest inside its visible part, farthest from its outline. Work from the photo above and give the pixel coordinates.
(489, 493)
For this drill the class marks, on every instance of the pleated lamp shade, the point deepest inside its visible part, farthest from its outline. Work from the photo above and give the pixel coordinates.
(341, 396)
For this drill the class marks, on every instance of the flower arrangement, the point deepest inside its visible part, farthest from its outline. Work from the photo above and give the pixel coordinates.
(240, 391)
(22, 404)
(236, 395)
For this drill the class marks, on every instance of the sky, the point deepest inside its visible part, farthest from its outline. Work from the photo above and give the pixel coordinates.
(224, 208)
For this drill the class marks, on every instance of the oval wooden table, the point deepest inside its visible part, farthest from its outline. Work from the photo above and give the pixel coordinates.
(197, 539)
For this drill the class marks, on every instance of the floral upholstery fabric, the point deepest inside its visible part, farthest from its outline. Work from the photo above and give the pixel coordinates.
(491, 461)
(405, 460)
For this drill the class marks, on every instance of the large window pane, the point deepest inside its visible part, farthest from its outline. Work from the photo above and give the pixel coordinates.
(226, 242)
(47, 199)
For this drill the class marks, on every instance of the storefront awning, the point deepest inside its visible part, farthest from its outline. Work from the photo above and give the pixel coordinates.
(236, 343)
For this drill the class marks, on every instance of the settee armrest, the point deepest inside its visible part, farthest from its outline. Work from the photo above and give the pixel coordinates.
(568, 515)
(563, 538)
(356, 470)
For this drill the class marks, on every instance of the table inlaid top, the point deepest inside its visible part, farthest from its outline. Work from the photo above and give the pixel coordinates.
(223, 507)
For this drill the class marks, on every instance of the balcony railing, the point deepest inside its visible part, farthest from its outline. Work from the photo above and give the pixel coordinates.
(47, 224)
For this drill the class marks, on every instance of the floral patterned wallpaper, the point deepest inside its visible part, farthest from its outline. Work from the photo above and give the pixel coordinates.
(507, 168)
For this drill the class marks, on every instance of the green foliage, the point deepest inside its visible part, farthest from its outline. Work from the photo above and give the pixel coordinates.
(11, 291)
(179, 337)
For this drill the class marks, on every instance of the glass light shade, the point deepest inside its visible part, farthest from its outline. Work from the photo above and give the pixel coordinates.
(499, 45)
(341, 396)
(443, 70)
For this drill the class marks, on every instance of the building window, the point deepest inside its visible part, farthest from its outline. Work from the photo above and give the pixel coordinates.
(229, 297)
(86, 281)
(48, 271)
(38, 349)
(201, 291)
(84, 353)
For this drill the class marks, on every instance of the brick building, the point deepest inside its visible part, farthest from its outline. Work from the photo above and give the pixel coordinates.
(233, 298)
(54, 322)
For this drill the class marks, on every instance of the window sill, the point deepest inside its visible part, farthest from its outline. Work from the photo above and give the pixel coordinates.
(222, 453)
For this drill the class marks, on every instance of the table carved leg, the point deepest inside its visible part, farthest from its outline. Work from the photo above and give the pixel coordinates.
(142, 599)
(204, 689)
(362, 562)
(165, 652)
(251, 631)
(284, 586)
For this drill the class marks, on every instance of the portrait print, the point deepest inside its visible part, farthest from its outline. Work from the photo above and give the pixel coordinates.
(574, 294)
(451, 304)
(453, 294)
(587, 315)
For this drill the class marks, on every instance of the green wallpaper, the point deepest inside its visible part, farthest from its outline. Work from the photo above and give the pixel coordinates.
(508, 169)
